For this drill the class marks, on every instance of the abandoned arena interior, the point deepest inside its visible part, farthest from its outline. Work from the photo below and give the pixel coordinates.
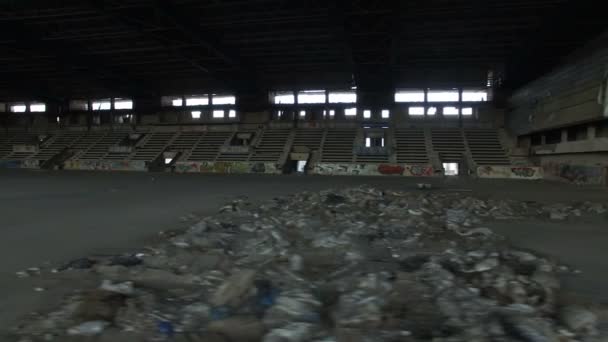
(465, 141)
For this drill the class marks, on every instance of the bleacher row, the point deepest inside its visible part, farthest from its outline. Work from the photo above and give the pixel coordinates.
(405, 146)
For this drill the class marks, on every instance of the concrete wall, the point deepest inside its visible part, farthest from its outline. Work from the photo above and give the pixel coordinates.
(573, 93)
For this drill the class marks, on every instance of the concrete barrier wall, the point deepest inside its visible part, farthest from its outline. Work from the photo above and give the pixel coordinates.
(577, 174)
(20, 164)
(106, 165)
(227, 167)
(371, 169)
(510, 172)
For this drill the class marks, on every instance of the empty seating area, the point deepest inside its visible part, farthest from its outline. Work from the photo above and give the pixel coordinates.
(271, 145)
(207, 147)
(61, 141)
(448, 144)
(153, 145)
(17, 138)
(410, 146)
(310, 138)
(100, 149)
(338, 146)
(485, 147)
(232, 156)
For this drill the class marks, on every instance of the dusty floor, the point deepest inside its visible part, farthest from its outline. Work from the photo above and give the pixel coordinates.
(56, 216)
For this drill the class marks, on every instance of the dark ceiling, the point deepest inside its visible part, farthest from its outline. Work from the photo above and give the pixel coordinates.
(72, 48)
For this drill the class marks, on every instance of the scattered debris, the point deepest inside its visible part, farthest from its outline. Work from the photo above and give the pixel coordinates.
(358, 264)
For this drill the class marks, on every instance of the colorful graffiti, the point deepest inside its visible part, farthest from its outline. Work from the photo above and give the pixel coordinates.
(105, 165)
(373, 169)
(578, 174)
(510, 172)
(227, 167)
(20, 164)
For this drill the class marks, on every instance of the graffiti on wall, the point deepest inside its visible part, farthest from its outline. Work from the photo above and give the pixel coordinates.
(20, 164)
(370, 169)
(227, 167)
(510, 172)
(105, 165)
(578, 174)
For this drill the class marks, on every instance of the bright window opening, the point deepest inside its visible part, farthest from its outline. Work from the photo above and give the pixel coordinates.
(311, 96)
(58, 119)
(177, 102)
(123, 104)
(101, 105)
(218, 114)
(450, 111)
(37, 107)
(343, 97)
(368, 142)
(331, 112)
(409, 96)
(385, 113)
(302, 113)
(442, 96)
(467, 111)
(350, 111)
(196, 114)
(223, 100)
(415, 111)
(197, 101)
(367, 114)
(168, 161)
(284, 98)
(280, 113)
(19, 108)
(301, 165)
(450, 169)
(474, 96)
(79, 105)
(232, 113)
(431, 111)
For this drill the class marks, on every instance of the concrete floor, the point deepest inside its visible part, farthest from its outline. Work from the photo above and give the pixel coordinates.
(57, 216)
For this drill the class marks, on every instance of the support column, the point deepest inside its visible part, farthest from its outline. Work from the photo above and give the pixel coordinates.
(591, 132)
(564, 137)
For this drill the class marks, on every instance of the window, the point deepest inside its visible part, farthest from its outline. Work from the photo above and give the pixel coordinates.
(474, 96)
(431, 111)
(223, 100)
(58, 119)
(177, 102)
(385, 113)
(18, 108)
(301, 167)
(409, 96)
(311, 96)
(331, 112)
(443, 96)
(232, 113)
(284, 98)
(450, 111)
(350, 111)
(196, 114)
(302, 113)
(37, 107)
(123, 104)
(416, 111)
(367, 114)
(79, 105)
(218, 114)
(171, 101)
(467, 111)
(101, 105)
(343, 97)
(368, 142)
(280, 113)
(197, 101)
(450, 169)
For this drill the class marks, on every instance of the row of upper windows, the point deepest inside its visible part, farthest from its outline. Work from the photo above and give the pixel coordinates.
(34, 107)
(323, 96)
(386, 114)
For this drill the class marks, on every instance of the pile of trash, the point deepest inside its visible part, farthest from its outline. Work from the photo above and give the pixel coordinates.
(358, 264)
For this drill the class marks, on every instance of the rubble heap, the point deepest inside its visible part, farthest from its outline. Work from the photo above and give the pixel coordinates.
(358, 264)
